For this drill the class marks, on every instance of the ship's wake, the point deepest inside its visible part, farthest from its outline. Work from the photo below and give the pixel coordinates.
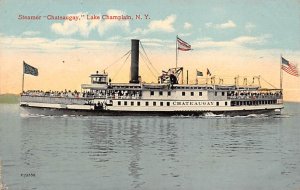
(211, 115)
(207, 115)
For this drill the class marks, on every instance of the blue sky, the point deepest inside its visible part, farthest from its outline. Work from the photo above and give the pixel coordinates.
(205, 24)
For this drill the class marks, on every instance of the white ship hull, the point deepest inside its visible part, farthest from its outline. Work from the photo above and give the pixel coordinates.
(173, 109)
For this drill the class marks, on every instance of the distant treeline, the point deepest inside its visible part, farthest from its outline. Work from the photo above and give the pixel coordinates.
(9, 98)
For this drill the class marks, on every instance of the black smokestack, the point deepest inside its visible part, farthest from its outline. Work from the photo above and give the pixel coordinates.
(134, 68)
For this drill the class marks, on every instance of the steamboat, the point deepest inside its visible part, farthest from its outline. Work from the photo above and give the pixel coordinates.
(166, 97)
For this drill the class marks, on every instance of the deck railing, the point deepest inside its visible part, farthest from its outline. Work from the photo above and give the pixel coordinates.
(55, 100)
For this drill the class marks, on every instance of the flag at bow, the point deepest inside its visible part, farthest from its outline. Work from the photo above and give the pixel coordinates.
(28, 69)
(199, 74)
(289, 67)
(182, 45)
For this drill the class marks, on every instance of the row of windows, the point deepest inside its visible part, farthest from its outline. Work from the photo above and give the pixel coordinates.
(216, 93)
(183, 93)
(125, 87)
(250, 103)
(132, 103)
(188, 87)
(217, 103)
(160, 93)
(169, 93)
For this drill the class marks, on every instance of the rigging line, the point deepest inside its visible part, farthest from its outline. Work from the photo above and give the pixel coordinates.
(151, 70)
(148, 58)
(148, 66)
(121, 66)
(268, 82)
(143, 57)
(117, 60)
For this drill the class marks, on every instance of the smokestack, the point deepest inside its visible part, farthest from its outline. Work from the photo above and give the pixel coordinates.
(134, 68)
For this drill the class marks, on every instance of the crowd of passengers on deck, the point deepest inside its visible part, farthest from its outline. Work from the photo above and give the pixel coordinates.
(120, 94)
(65, 93)
(84, 94)
(255, 95)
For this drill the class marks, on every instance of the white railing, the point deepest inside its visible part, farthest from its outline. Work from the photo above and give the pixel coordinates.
(54, 100)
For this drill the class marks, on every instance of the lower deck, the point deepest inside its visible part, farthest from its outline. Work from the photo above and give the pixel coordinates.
(73, 112)
(153, 107)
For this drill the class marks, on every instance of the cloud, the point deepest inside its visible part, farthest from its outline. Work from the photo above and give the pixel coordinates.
(84, 26)
(165, 25)
(37, 44)
(249, 26)
(226, 25)
(30, 33)
(107, 24)
(240, 41)
(250, 40)
(187, 26)
(185, 34)
(139, 31)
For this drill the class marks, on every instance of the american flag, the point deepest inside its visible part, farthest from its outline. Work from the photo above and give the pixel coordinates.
(289, 67)
(183, 46)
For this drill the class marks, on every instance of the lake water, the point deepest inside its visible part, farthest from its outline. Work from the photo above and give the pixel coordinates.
(88, 153)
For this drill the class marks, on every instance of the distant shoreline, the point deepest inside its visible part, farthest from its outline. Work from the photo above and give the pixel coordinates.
(9, 98)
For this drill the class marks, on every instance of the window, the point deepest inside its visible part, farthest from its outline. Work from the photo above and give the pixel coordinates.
(223, 93)
(154, 103)
(216, 93)
(132, 103)
(119, 103)
(160, 93)
(147, 103)
(152, 93)
(192, 93)
(225, 103)
(138, 103)
(169, 93)
(161, 103)
(125, 103)
(217, 103)
(183, 93)
(168, 103)
(200, 93)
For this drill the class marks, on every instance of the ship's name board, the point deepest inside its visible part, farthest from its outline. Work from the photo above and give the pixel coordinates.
(193, 103)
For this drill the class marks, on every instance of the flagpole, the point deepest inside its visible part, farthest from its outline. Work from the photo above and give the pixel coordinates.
(280, 72)
(23, 79)
(176, 50)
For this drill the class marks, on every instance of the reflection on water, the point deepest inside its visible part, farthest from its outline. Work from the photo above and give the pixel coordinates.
(149, 152)
(128, 139)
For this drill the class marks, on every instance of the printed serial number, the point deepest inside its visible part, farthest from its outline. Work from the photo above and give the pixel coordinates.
(28, 175)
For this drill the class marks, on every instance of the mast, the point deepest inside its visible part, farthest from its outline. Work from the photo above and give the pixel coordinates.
(187, 76)
(176, 50)
(23, 79)
(280, 72)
